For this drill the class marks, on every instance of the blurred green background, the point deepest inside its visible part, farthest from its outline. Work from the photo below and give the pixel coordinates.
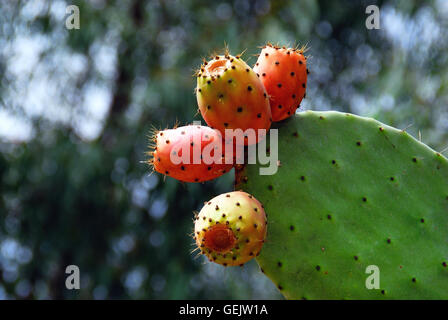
(76, 107)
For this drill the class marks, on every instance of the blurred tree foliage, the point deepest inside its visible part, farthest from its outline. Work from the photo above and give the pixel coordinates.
(74, 190)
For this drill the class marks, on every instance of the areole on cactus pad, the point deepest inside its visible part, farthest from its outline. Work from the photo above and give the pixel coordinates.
(351, 193)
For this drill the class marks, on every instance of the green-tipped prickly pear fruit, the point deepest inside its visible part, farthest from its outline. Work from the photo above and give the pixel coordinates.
(231, 228)
(231, 96)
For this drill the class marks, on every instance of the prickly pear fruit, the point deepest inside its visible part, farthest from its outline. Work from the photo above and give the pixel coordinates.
(283, 72)
(185, 153)
(231, 96)
(231, 228)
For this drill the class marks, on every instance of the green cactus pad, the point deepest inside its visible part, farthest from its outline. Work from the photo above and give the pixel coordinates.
(352, 192)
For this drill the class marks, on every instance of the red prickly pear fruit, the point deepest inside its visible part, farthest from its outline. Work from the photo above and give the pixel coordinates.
(283, 72)
(230, 95)
(190, 153)
(231, 228)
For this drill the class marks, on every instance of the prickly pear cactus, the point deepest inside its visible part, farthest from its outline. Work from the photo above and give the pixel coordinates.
(351, 192)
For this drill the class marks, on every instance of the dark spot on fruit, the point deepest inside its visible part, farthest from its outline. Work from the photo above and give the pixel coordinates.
(279, 264)
(209, 168)
(208, 81)
(223, 215)
(295, 134)
(226, 124)
(266, 54)
(166, 172)
(422, 220)
(238, 204)
(277, 63)
(364, 199)
(264, 74)
(329, 217)
(414, 159)
(381, 128)
(303, 85)
(251, 253)
(233, 67)
(392, 178)
(279, 106)
(280, 287)
(167, 141)
(227, 195)
(300, 62)
(216, 208)
(199, 90)
(240, 109)
(414, 280)
(302, 178)
(259, 115)
(333, 161)
(279, 85)
(256, 209)
(182, 168)
(293, 96)
(383, 292)
(444, 264)
(270, 187)
(247, 240)
(317, 268)
(249, 88)
(247, 70)
(240, 217)
(229, 81)
(292, 74)
(389, 241)
(291, 228)
(358, 143)
(356, 258)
